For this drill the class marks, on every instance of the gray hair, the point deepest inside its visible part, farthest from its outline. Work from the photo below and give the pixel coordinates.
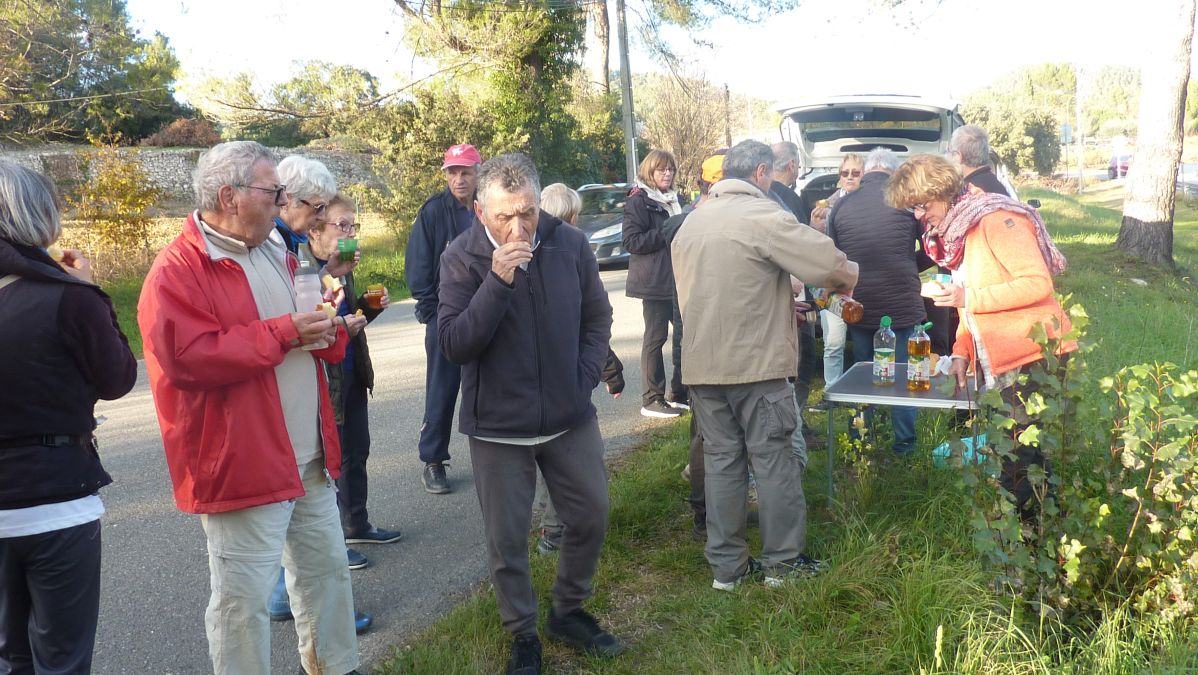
(973, 144)
(744, 158)
(28, 207)
(785, 152)
(881, 159)
(560, 201)
(510, 173)
(229, 163)
(307, 178)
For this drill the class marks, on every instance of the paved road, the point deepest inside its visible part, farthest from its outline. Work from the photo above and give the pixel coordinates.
(155, 564)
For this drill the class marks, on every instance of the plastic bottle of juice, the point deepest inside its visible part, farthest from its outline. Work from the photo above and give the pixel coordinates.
(307, 295)
(919, 359)
(839, 304)
(884, 354)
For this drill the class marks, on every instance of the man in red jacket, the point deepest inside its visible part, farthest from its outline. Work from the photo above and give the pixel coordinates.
(246, 419)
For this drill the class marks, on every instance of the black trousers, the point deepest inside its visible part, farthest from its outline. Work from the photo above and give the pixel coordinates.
(49, 600)
(352, 486)
(442, 380)
(698, 498)
(1014, 471)
(810, 364)
(659, 314)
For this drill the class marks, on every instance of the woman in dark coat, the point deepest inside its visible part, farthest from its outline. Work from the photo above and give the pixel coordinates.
(64, 352)
(651, 278)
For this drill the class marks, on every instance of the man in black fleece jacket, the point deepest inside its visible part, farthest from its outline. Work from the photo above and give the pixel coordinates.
(524, 313)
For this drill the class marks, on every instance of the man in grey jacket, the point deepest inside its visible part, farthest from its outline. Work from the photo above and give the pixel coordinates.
(743, 245)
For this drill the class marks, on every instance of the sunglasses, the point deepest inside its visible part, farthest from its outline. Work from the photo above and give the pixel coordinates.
(845, 173)
(318, 208)
(278, 190)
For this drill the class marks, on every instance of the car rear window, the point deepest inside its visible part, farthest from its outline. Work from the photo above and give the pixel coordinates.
(596, 202)
(832, 123)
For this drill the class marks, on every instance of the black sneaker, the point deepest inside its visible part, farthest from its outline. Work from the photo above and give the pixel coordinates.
(801, 566)
(752, 571)
(375, 536)
(580, 630)
(362, 622)
(526, 656)
(547, 545)
(679, 402)
(357, 561)
(659, 408)
(434, 479)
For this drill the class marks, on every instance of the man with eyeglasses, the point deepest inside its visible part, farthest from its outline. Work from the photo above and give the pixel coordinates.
(247, 422)
(440, 220)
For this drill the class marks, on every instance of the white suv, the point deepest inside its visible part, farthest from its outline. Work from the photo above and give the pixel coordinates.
(829, 128)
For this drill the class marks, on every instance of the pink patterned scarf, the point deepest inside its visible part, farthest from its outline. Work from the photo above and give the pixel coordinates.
(946, 243)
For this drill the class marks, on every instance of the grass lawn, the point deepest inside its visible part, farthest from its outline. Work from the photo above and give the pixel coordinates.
(905, 592)
(382, 263)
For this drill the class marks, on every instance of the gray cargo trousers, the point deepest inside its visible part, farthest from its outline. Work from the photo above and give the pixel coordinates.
(743, 425)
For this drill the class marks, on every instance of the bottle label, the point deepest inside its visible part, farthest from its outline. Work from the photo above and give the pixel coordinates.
(919, 368)
(884, 364)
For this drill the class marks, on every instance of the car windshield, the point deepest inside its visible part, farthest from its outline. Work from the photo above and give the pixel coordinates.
(601, 201)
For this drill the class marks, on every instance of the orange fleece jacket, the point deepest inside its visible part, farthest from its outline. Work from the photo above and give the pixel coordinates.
(1008, 290)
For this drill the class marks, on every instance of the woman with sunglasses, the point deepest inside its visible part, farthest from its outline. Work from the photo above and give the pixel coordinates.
(1003, 261)
(834, 329)
(310, 187)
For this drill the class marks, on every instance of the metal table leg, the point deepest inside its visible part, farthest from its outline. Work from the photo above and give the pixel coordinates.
(831, 444)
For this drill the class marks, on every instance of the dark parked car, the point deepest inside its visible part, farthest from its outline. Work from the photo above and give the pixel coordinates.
(602, 219)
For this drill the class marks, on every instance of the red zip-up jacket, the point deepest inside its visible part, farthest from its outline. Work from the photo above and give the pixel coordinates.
(211, 363)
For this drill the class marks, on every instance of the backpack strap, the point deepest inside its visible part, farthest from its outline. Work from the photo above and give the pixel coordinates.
(6, 280)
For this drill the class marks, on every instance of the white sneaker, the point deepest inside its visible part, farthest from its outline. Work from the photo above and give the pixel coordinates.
(661, 409)
(752, 571)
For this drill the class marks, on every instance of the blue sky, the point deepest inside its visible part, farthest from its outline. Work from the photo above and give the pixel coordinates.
(931, 47)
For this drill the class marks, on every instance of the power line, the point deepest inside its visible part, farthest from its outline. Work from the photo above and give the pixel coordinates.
(504, 6)
(82, 98)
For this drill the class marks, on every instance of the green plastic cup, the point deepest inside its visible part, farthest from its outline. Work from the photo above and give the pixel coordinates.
(346, 249)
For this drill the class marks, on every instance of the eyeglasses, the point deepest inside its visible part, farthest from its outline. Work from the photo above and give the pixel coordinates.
(917, 209)
(845, 173)
(278, 190)
(347, 228)
(318, 208)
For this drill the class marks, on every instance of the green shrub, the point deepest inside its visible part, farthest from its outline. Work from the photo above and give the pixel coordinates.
(1117, 516)
(116, 198)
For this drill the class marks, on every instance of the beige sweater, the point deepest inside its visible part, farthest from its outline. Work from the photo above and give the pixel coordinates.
(266, 271)
(733, 258)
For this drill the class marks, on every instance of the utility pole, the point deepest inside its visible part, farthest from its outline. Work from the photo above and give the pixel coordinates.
(630, 161)
(1078, 133)
(727, 118)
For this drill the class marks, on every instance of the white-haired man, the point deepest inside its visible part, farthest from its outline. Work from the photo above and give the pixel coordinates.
(247, 424)
(882, 240)
(969, 148)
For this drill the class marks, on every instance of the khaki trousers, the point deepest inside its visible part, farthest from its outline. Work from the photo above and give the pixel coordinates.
(244, 550)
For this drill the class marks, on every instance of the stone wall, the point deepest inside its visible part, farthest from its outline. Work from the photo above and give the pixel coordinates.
(170, 168)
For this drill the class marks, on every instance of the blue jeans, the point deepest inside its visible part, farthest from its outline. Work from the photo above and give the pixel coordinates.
(901, 418)
(834, 329)
(279, 603)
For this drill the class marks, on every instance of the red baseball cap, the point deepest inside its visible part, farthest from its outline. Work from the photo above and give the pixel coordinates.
(462, 155)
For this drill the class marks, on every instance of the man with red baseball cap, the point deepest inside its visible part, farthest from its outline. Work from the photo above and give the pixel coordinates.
(442, 218)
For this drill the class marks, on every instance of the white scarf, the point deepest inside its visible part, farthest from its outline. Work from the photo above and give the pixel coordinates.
(669, 200)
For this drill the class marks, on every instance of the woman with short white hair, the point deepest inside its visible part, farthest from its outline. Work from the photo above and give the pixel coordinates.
(66, 351)
(310, 187)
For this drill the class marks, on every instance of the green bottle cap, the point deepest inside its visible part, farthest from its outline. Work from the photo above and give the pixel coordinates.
(927, 325)
(886, 322)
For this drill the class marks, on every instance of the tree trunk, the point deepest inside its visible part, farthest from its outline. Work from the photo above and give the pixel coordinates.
(603, 35)
(1147, 229)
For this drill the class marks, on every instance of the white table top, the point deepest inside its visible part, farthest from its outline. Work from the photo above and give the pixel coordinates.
(857, 386)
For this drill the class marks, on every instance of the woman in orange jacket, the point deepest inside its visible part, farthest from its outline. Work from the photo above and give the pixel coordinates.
(1003, 261)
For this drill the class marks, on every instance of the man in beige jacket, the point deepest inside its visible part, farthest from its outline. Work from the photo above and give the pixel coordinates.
(733, 261)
